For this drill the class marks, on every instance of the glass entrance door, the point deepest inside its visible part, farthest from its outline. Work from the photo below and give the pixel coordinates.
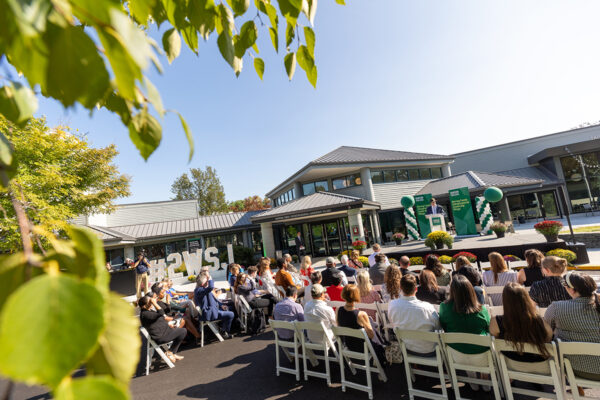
(318, 241)
(326, 239)
(548, 204)
(334, 245)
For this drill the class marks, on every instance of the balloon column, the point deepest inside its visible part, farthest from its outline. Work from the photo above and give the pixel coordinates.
(482, 205)
(409, 216)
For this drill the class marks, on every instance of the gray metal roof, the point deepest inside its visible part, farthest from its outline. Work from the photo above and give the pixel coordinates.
(474, 181)
(537, 173)
(107, 234)
(348, 155)
(314, 202)
(201, 224)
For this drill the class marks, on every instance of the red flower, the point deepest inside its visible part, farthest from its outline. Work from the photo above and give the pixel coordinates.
(470, 256)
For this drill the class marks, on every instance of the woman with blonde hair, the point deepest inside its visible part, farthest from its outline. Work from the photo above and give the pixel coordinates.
(354, 262)
(498, 275)
(367, 293)
(533, 271)
(460, 262)
(306, 268)
(266, 280)
(391, 283)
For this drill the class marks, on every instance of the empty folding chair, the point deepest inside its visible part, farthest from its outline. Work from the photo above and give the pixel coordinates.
(568, 349)
(467, 365)
(243, 309)
(436, 360)
(211, 324)
(151, 347)
(495, 310)
(493, 295)
(366, 357)
(544, 372)
(286, 346)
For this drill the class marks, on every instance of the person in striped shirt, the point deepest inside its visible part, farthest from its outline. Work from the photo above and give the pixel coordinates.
(550, 288)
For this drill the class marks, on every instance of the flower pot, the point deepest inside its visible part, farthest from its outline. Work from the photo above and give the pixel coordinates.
(500, 234)
(398, 241)
(551, 238)
(439, 245)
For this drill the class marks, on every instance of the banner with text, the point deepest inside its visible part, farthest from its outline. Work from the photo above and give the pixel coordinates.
(421, 204)
(462, 211)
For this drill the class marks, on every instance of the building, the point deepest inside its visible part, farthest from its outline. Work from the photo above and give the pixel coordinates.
(354, 193)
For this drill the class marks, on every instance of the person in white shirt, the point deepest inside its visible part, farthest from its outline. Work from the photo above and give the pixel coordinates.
(317, 310)
(376, 250)
(409, 313)
(315, 278)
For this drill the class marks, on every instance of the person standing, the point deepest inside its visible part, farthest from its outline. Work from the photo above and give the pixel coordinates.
(300, 248)
(377, 250)
(142, 267)
(434, 208)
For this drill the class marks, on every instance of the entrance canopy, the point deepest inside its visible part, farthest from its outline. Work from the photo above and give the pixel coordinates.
(315, 205)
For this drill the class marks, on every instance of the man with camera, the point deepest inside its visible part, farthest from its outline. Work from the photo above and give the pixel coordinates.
(142, 267)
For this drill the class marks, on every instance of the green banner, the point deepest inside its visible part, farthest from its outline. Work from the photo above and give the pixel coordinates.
(421, 204)
(462, 211)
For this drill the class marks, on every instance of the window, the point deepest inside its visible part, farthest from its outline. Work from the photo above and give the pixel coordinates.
(346, 181)
(339, 183)
(377, 176)
(321, 186)
(389, 175)
(425, 173)
(115, 256)
(308, 188)
(413, 174)
(436, 173)
(284, 198)
(401, 175)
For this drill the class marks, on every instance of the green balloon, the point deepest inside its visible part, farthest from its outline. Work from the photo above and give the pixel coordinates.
(407, 201)
(493, 194)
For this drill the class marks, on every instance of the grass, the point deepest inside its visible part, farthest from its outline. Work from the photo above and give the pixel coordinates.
(593, 228)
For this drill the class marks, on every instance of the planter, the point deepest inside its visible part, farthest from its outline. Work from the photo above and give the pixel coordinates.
(439, 245)
(551, 238)
(500, 234)
(398, 241)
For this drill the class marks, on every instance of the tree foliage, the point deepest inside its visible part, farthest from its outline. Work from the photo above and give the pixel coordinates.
(58, 176)
(251, 203)
(204, 186)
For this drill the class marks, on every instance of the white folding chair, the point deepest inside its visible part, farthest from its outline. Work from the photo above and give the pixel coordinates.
(308, 347)
(286, 346)
(243, 310)
(366, 356)
(437, 361)
(281, 291)
(211, 324)
(453, 366)
(151, 347)
(493, 295)
(336, 304)
(566, 349)
(495, 310)
(383, 320)
(545, 372)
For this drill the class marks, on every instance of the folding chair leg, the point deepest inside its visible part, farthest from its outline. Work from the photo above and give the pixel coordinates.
(201, 334)
(214, 329)
(304, 361)
(149, 353)
(162, 355)
(297, 362)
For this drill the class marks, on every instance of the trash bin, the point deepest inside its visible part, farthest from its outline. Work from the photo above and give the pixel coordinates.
(521, 219)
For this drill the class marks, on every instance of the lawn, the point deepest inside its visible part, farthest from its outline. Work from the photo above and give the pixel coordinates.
(593, 228)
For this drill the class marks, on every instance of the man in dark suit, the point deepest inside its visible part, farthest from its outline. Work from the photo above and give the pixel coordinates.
(434, 208)
(300, 248)
(212, 309)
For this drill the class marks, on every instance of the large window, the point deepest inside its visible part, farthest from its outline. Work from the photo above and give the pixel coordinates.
(284, 198)
(405, 174)
(346, 181)
(582, 175)
(116, 257)
(313, 187)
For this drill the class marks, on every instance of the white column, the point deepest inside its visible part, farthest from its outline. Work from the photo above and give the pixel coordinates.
(446, 172)
(365, 178)
(376, 229)
(129, 252)
(355, 221)
(266, 229)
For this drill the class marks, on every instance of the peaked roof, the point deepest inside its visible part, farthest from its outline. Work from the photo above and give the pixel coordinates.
(474, 181)
(348, 154)
(320, 201)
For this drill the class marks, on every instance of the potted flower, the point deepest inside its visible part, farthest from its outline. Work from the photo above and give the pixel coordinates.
(499, 229)
(549, 229)
(359, 245)
(437, 240)
(398, 238)
(470, 256)
(568, 255)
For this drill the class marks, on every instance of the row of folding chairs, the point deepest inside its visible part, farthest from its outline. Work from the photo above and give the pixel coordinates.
(299, 347)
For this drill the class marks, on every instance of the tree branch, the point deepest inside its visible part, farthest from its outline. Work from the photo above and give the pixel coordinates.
(9, 389)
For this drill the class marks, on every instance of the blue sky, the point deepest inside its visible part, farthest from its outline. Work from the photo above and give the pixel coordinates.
(430, 76)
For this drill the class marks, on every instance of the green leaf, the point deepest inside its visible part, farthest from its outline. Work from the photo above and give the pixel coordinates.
(89, 253)
(172, 44)
(17, 102)
(224, 22)
(188, 135)
(290, 64)
(202, 15)
(76, 72)
(12, 275)
(145, 132)
(154, 97)
(248, 34)
(309, 37)
(118, 352)
(290, 9)
(307, 63)
(92, 388)
(49, 327)
(30, 16)
(6, 156)
(274, 38)
(141, 10)
(115, 103)
(239, 6)
(270, 11)
(190, 35)
(342, 2)
(290, 34)
(176, 12)
(225, 43)
(312, 11)
(132, 38)
(125, 69)
(259, 66)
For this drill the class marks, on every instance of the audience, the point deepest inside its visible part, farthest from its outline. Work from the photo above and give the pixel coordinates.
(288, 310)
(377, 270)
(391, 283)
(433, 264)
(409, 313)
(429, 291)
(474, 277)
(350, 317)
(345, 268)
(377, 250)
(152, 317)
(253, 273)
(317, 310)
(234, 270)
(289, 264)
(306, 267)
(533, 272)
(354, 262)
(246, 287)
(463, 313)
(551, 287)
(283, 277)
(404, 263)
(367, 293)
(498, 275)
(331, 270)
(334, 291)
(266, 280)
(460, 262)
(521, 324)
(578, 320)
(211, 308)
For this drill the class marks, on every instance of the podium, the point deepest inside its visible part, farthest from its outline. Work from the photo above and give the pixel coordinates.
(436, 222)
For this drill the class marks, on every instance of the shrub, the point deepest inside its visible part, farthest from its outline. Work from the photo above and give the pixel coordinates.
(548, 228)
(470, 256)
(510, 257)
(568, 255)
(241, 255)
(364, 260)
(498, 227)
(398, 235)
(439, 237)
(359, 245)
(345, 252)
(181, 268)
(445, 259)
(416, 260)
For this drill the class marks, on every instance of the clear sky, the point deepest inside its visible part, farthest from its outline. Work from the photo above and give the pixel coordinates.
(430, 76)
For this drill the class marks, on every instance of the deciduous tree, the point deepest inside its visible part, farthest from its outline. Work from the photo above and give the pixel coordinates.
(204, 186)
(251, 203)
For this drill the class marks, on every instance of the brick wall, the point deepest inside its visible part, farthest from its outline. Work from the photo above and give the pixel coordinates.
(590, 239)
